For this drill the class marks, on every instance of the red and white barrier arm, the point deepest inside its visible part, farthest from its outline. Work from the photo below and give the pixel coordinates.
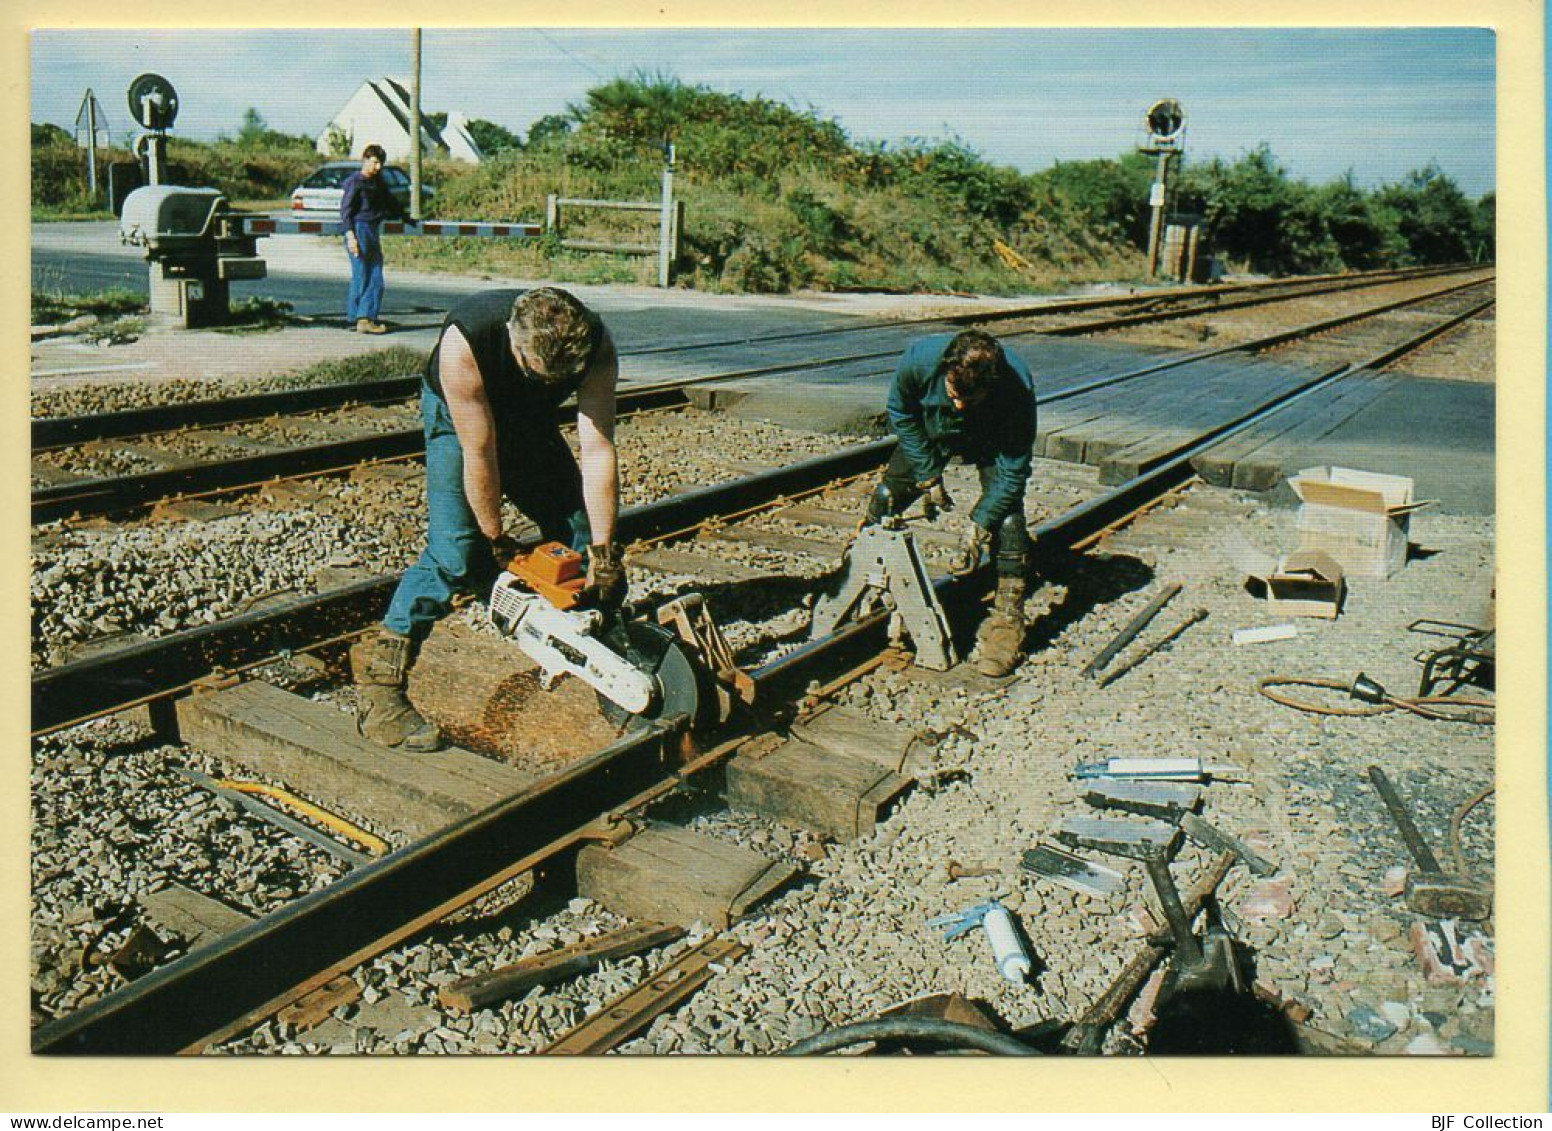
(292, 226)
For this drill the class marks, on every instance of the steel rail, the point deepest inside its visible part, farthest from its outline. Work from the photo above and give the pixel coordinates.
(98, 685)
(52, 433)
(215, 991)
(125, 492)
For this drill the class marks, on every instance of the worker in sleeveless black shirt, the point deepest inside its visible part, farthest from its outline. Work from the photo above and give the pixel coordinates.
(503, 364)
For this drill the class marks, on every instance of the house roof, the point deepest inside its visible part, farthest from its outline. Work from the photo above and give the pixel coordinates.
(398, 106)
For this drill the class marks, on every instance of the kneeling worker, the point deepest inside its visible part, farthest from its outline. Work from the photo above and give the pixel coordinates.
(964, 395)
(503, 364)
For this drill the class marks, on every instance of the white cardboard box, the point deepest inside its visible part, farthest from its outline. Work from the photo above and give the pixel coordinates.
(1361, 518)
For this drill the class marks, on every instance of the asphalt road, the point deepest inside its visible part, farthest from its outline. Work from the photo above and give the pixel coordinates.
(312, 274)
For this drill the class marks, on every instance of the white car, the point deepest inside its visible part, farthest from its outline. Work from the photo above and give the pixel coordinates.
(322, 192)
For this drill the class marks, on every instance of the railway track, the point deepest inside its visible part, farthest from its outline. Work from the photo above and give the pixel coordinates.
(223, 988)
(54, 433)
(125, 435)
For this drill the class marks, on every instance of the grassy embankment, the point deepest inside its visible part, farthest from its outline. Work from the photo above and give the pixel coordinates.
(778, 199)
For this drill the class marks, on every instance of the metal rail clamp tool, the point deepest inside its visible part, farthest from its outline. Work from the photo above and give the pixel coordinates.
(884, 569)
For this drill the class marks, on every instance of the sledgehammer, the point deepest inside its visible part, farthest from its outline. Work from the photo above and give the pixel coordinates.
(1429, 890)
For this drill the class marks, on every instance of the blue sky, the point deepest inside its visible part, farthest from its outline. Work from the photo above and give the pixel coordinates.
(1377, 101)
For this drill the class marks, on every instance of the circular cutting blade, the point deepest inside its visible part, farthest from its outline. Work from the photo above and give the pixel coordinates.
(657, 652)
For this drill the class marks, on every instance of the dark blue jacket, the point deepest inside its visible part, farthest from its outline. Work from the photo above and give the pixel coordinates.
(999, 431)
(367, 199)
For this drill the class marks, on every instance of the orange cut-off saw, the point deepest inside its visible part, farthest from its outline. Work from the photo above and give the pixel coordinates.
(535, 601)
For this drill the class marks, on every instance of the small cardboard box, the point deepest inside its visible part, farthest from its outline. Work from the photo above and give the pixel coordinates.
(1306, 583)
(1360, 518)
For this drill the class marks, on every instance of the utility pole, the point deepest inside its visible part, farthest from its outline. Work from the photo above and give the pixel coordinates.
(90, 109)
(415, 125)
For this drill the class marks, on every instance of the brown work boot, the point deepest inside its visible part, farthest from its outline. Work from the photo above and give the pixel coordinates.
(367, 326)
(383, 713)
(999, 643)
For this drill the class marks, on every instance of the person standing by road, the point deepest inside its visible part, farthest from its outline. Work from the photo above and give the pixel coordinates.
(964, 395)
(366, 203)
(503, 364)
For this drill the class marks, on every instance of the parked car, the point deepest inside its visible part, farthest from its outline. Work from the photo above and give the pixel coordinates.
(321, 191)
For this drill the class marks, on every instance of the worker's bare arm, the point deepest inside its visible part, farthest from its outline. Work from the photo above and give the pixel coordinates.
(476, 428)
(595, 432)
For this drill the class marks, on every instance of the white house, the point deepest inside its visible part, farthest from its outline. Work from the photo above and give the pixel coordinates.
(379, 112)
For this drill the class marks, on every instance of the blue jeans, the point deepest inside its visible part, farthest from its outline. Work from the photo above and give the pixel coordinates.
(366, 275)
(538, 473)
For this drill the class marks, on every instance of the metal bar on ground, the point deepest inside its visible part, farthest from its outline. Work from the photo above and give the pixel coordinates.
(627, 1016)
(1129, 633)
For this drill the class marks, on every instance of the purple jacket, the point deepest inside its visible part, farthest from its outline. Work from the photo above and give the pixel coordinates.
(367, 199)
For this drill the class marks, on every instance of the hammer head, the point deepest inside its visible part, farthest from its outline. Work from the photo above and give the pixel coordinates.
(1447, 897)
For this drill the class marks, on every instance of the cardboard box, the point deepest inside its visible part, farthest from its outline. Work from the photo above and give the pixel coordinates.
(1360, 518)
(1306, 583)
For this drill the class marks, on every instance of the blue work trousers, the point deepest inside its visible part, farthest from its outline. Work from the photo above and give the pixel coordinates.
(539, 474)
(365, 299)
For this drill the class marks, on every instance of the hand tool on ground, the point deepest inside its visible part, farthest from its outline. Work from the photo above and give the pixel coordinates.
(1176, 804)
(958, 871)
(638, 667)
(1071, 872)
(1208, 964)
(884, 569)
(1129, 633)
(1429, 890)
(1158, 645)
(1158, 769)
(1167, 801)
(1088, 1034)
(1013, 961)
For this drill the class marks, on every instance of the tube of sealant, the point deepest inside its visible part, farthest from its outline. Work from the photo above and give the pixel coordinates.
(1007, 950)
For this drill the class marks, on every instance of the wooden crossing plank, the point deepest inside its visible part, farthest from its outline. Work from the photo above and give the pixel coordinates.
(315, 750)
(1262, 383)
(839, 795)
(1310, 417)
(672, 875)
(1196, 398)
(1269, 465)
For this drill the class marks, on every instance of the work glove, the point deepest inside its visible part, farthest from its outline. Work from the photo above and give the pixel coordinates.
(935, 498)
(606, 580)
(968, 556)
(503, 548)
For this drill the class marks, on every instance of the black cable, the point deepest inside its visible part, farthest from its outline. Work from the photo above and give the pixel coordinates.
(950, 1033)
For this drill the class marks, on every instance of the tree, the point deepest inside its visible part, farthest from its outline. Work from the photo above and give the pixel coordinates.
(491, 138)
(551, 127)
(253, 131)
(46, 133)
(1433, 216)
(1245, 205)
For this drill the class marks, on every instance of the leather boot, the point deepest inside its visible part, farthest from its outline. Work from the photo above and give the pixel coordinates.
(383, 713)
(999, 642)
